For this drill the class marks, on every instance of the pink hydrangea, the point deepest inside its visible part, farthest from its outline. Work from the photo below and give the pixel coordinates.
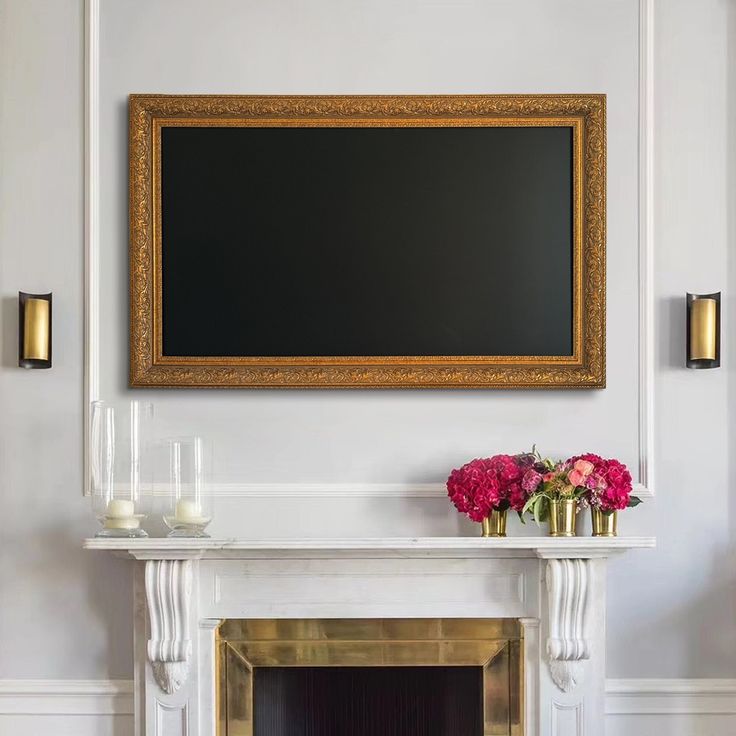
(615, 496)
(517, 496)
(485, 484)
(474, 488)
(589, 457)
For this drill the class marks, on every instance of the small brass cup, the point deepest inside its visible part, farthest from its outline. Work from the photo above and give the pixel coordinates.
(494, 525)
(563, 517)
(604, 524)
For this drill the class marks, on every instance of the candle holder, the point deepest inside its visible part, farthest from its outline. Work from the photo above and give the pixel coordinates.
(190, 504)
(120, 486)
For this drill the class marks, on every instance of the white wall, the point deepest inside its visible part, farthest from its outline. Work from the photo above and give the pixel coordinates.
(63, 614)
(671, 611)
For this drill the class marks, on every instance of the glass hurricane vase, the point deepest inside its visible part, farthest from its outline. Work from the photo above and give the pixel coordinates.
(120, 487)
(189, 507)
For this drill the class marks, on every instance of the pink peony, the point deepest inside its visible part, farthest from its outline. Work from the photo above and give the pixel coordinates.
(581, 469)
(584, 466)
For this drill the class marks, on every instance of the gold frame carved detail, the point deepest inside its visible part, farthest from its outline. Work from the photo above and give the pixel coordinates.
(495, 645)
(584, 114)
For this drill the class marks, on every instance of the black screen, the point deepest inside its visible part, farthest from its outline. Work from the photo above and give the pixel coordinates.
(368, 701)
(366, 241)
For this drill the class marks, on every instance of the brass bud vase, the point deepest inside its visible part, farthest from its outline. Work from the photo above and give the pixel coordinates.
(562, 517)
(494, 525)
(604, 524)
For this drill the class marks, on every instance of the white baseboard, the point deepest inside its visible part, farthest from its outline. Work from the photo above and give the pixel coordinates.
(115, 697)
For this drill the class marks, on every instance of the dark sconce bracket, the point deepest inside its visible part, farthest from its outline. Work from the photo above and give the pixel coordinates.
(34, 330)
(703, 348)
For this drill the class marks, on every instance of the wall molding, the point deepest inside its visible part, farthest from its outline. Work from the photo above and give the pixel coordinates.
(347, 490)
(646, 244)
(670, 697)
(66, 697)
(632, 697)
(645, 240)
(91, 219)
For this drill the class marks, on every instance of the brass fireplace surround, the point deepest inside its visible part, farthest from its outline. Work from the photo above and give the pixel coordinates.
(493, 644)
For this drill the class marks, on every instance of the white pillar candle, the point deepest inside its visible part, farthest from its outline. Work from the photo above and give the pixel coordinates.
(120, 514)
(188, 511)
(120, 508)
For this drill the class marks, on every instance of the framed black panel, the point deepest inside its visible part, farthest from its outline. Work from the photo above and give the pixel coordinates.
(450, 241)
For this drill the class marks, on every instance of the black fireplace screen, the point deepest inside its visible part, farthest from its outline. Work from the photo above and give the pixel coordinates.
(368, 701)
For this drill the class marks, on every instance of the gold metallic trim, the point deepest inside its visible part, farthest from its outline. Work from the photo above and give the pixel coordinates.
(493, 644)
(585, 114)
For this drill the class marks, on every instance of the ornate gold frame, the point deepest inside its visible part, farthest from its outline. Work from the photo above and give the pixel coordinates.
(585, 114)
(493, 644)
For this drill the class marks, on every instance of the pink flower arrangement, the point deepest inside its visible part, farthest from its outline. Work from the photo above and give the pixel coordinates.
(590, 479)
(488, 484)
(608, 483)
(528, 482)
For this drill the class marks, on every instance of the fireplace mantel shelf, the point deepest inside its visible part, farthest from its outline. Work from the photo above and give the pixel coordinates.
(461, 547)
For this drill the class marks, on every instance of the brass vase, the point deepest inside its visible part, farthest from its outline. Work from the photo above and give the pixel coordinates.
(563, 517)
(494, 525)
(604, 524)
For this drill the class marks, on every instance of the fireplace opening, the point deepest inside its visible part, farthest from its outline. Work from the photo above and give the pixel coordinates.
(369, 677)
(368, 701)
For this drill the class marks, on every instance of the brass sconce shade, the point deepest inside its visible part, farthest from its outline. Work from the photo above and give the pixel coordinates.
(34, 330)
(704, 330)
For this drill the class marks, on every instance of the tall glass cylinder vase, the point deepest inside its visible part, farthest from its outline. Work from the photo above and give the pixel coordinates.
(120, 480)
(190, 500)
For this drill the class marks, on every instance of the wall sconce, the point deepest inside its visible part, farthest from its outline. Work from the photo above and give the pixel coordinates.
(703, 330)
(34, 330)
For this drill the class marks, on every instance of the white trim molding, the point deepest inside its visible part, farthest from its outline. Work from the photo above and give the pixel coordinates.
(624, 697)
(645, 488)
(348, 490)
(646, 245)
(66, 697)
(670, 697)
(91, 218)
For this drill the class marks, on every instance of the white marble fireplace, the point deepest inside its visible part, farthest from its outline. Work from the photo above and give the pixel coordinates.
(556, 588)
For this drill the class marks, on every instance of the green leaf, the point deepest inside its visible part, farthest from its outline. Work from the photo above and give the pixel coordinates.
(634, 501)
(538, 506)
(529, 503)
